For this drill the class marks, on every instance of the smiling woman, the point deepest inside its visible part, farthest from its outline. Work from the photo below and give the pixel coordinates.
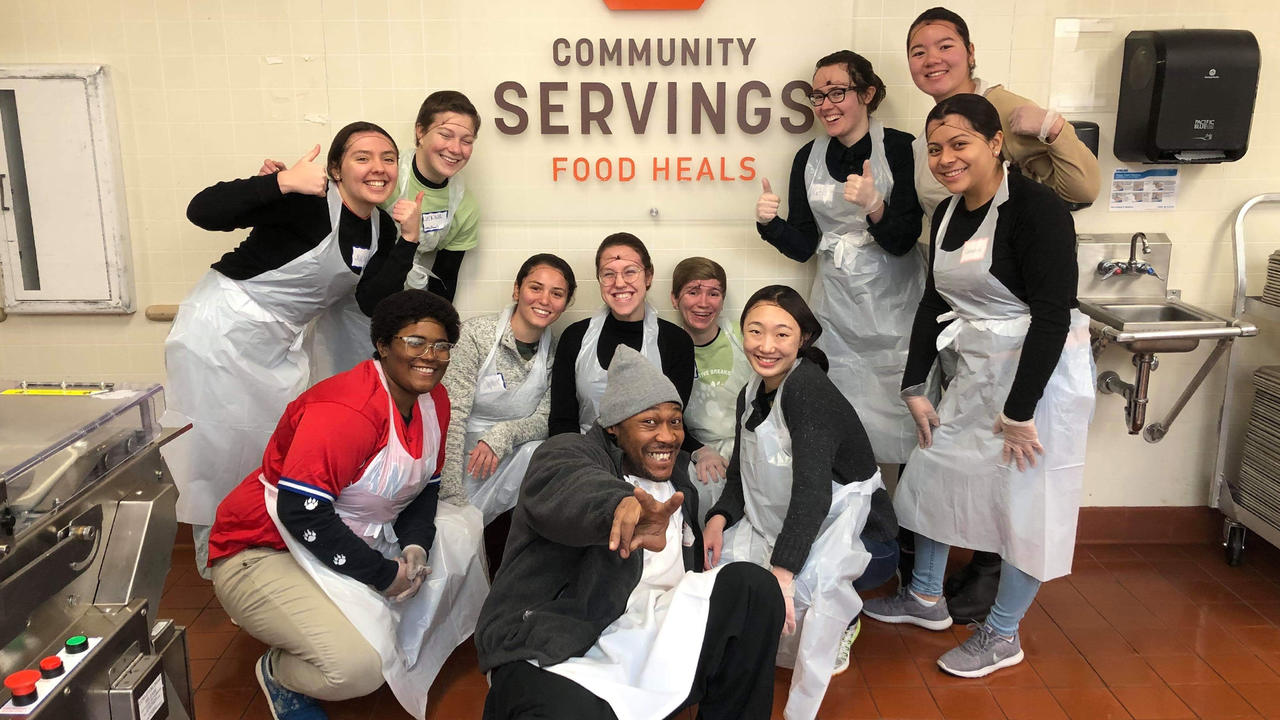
(317, 241)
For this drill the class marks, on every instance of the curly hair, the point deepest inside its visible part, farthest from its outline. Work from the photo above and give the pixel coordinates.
(398, 310)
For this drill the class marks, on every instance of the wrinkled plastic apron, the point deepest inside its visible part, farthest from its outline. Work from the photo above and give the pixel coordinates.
(710, 418)
(644, 662)
(415, 637)
(960, 491)
(430, 238)
(825, 601)
(493, 403)
(591, 378)
(234, 359)
(866, 300)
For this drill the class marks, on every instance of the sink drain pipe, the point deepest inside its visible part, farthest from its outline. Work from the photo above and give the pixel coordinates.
(1135, 393)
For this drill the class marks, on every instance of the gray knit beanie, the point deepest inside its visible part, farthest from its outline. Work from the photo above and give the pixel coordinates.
(634, 386)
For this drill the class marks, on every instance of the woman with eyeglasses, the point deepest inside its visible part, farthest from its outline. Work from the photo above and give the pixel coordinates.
(500, 389)
(852, 202)
(325, 552)
(586, 348)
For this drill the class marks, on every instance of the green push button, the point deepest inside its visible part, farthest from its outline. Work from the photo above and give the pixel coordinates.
(77, 644)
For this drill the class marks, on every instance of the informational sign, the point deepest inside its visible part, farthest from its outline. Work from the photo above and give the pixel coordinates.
(1154, 189)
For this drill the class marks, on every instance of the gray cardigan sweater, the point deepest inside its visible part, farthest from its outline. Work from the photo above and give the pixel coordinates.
(559, 585)
(473, 346)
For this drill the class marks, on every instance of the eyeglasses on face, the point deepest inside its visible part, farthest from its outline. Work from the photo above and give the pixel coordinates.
(419, 346)
(630, 275)
(835, 95)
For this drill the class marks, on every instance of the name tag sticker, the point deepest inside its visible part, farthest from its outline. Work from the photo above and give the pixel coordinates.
(491, 383)
(687, 536)
(434, 220)
(974, 249)
(359, 256)
(822, 194)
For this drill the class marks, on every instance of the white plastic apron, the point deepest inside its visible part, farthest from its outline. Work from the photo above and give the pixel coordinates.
(234, 359)
(493, 403)
(825, 601)
(415, 637)
(339, 338)
(644, 662)
(866, 300)
(591, 378)
(960, 491)
(710, 415)
(425, 257)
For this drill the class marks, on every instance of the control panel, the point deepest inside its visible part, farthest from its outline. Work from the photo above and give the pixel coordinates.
(31, 686)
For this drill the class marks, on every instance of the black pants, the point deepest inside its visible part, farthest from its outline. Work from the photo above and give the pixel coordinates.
(734, 677)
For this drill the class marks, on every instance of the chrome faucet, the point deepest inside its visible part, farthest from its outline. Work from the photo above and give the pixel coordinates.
(1132, 266)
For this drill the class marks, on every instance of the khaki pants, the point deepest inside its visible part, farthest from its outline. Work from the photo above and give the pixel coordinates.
(315, 650)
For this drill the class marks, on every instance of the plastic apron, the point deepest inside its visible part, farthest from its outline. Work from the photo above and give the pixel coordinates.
(866, 300)
(960, 491)
(339, 339)
(433, 230)
(710, 415)
(494, 402)
(591, 378)
(644, 662)
(235, 359)
(825, 601)
(415, 637)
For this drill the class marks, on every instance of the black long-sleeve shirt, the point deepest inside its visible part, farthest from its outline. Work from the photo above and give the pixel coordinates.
(674, 346)
(828, 444)
(288, 225)
(1033, 254)
(798, 236)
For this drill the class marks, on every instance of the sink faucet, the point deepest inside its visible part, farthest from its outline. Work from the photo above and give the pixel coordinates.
(1132, 266)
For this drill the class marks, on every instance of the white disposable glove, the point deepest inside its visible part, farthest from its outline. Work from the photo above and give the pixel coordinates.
(1035, 121)
(926, 418)
(711, 466)
(407, 214)
(1021, 444)
(414, 558)
(767, 205)
(861, 190)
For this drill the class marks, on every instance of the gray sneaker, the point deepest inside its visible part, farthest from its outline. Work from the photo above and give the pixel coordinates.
(905, 608)
(982, 654)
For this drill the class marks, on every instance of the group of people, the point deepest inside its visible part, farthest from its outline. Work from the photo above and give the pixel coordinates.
(689, 504)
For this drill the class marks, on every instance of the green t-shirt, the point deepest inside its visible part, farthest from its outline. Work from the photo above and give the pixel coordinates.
(461, 234)
(714, 361)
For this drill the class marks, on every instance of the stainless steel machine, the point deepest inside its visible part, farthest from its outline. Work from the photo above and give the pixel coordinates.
(86, 532)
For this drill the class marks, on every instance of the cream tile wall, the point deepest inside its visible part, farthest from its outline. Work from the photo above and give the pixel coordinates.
(206, 89)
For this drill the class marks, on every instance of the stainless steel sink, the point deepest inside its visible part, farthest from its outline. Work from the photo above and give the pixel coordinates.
(1148, 325)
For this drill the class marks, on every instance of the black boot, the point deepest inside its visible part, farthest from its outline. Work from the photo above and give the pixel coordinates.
(972, 590)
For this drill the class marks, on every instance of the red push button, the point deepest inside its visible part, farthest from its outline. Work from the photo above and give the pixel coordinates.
(23, 686)
(51, 667)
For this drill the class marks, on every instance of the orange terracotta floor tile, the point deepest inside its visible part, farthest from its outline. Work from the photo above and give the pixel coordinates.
(1164, 631)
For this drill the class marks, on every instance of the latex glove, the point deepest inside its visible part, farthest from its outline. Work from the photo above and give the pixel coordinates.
(408, 214)
(767, 205)
(306, 177)
(926, 419)
(640, 521)
(787, 583)
(711, 466)
(713, 541)
(861, 190)
(415, 558)
(1020, 441)
(481, 461)
(271, 167)
(1036, 122)
(402, 582)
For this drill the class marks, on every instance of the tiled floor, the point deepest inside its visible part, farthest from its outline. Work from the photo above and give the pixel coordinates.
(1144, 632)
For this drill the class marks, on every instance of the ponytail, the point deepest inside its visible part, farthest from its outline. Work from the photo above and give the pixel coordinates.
(814, 354)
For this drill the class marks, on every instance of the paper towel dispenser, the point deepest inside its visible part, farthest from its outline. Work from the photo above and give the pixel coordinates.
(1186, 96)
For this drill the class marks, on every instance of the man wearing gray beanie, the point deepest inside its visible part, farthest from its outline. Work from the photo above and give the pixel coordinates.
(599, 609)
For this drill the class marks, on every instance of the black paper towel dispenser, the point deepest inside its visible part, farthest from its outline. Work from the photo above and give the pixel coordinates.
(1186, 96)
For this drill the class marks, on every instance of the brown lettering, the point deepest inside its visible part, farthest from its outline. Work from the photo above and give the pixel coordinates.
(521, 117)
(549, 108)
(761, 113)
(599, 117)
(801, 107)
(702, 105)
(640, 118)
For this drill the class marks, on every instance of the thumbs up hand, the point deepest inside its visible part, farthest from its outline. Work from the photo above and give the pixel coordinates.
(861, 190)
(767, 205)
(408, 213)
(306, 177)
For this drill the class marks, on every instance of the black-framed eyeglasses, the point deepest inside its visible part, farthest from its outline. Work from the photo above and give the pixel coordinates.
(419, 346)
(835, 95)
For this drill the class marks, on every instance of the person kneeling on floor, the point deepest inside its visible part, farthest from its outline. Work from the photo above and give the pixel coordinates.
(597, 610)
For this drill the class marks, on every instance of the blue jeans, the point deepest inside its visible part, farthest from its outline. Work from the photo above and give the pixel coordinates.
(1014, 597)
